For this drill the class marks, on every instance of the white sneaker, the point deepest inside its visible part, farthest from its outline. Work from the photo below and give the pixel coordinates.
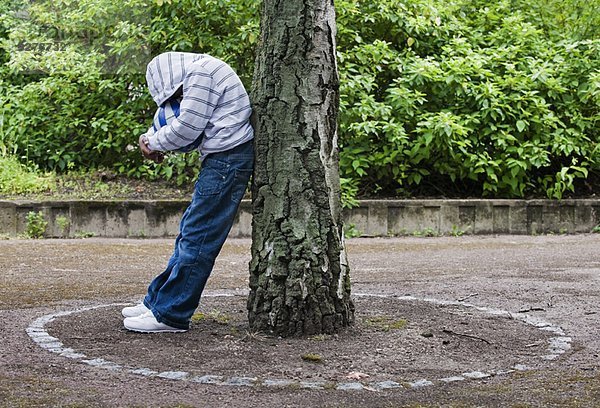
(133, 311)
(147, 323)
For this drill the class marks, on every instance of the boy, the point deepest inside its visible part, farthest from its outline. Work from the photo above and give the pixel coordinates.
(214, 117)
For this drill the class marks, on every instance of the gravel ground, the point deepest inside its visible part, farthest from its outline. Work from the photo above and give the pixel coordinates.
(551, 278)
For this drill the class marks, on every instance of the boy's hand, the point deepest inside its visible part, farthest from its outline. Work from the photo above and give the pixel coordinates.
(155, 156)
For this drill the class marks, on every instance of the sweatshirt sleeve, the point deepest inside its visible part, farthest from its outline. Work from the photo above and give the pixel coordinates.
(200, 98)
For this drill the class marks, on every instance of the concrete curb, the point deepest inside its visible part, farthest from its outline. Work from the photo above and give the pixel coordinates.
(160, 218)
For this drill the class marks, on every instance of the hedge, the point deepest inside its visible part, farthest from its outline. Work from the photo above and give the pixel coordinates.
(439, 98)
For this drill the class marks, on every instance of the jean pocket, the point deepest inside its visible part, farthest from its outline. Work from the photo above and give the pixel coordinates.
(240, 184)
(212, 178)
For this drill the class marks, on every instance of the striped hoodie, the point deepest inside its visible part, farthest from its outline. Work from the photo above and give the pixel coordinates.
(214, 105)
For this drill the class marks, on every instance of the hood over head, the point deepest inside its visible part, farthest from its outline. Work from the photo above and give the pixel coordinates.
(166, 72)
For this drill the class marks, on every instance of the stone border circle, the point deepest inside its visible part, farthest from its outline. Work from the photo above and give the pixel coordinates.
(557, 346)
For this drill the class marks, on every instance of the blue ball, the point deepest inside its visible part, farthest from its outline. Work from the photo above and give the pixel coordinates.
(165, 114)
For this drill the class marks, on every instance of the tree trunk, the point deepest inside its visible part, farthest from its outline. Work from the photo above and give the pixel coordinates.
(299, 274)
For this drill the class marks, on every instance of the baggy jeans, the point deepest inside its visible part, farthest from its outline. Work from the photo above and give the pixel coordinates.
(174, 295)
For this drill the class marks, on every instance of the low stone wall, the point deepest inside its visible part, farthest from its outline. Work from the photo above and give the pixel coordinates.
(445, 217)
(371, 218)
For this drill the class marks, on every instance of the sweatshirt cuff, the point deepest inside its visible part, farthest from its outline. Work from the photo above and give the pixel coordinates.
(152, 141)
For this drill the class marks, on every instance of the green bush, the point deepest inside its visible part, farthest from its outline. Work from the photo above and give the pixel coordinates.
(452, 98)
(77, 96)
(71, 103)
(465, 99)
(36, 225)
(227, 29)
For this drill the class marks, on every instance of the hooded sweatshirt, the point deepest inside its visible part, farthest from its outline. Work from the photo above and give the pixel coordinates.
(214, 103)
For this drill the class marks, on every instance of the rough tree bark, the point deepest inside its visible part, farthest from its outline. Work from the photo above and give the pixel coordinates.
(299, 275)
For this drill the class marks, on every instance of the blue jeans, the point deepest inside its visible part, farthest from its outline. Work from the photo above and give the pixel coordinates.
(174, 295)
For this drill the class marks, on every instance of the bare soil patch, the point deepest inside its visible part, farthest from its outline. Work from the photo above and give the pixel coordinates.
(398, 340)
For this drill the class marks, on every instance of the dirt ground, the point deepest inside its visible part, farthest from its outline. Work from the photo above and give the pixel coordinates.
(399, 337)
